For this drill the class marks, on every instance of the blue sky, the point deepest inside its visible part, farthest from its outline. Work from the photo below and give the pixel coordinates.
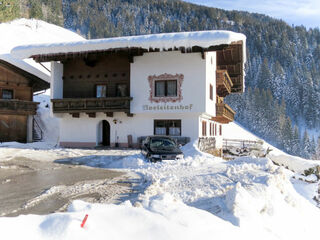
(297, 12)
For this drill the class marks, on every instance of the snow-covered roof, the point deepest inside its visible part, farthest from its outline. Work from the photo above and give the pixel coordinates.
(31, 31)
(24, 66)
(164, 41)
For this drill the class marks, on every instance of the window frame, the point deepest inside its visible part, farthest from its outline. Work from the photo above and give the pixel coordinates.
(96, 89)
(166, 87)
(167, 126)
(7, 89)
(118, 91)
(166, 78)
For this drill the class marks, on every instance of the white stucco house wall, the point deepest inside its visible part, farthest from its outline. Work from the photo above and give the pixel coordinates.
(114, 91)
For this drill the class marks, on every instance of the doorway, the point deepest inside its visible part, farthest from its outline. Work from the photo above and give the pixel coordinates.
(105, 133)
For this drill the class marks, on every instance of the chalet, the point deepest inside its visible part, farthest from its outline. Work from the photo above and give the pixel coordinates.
(113, 91)
(18, 82)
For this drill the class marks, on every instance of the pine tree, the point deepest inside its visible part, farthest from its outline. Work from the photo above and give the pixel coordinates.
(296, 142)
(287, 135)
(265, 76)
(35, 9)
(9, 10)
(312, 148)
(317, 155)
(306, 145)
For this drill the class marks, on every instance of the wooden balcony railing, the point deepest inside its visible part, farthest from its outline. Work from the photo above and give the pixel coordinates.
(224, 113)
(91, 105)
(17, 107)
(224, 83)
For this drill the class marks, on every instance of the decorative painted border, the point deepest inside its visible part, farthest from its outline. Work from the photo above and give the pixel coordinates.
(165, 76)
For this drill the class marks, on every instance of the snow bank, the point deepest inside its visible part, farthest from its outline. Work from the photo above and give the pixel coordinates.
(48, 123)
(296, 164)
(251, 193)
(165, 219)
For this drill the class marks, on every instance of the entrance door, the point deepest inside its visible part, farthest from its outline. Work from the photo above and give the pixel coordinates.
(105, 133)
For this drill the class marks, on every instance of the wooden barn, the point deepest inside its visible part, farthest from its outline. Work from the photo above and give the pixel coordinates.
(18, 82)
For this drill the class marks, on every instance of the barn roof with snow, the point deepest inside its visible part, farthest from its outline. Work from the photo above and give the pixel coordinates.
(40, 79)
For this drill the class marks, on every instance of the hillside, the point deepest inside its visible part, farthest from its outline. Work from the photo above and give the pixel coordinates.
(283, 70)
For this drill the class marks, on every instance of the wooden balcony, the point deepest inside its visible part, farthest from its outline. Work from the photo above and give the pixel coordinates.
(231, 59)
(224, 113)
(91, 105)
(17, 107)
(224, 83)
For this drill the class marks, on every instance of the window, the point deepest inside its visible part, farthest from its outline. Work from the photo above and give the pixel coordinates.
(215, 129)
(101, 91)
(204, 128)
(7, 94)
(211, 92)
(160, 88)
(167, 127)
(122, 90)
(220, 130)
(166, 88)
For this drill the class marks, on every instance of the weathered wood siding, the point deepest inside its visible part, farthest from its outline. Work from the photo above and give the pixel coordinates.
(13, 123)
(13, 128)
(15, 82)
(81, 76)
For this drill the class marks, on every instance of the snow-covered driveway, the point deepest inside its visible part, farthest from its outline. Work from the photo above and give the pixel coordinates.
(37, 182)
(247, 198)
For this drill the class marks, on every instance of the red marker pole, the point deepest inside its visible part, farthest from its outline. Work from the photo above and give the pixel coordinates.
(84, 221)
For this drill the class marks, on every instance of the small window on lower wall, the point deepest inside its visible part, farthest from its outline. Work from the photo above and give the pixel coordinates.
(167, 127)
(220, 130)
(7, 94)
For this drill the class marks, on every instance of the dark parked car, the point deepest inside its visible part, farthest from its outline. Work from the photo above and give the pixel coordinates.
(158, 148)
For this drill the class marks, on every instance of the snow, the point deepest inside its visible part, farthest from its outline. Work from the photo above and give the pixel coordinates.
(308, 190)
(31, 31)
(296, 164)
(122, 222)
(161, 41)
(48, 123)
(200, 196)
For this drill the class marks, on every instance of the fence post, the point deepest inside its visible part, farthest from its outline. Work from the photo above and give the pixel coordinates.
(318, 171)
